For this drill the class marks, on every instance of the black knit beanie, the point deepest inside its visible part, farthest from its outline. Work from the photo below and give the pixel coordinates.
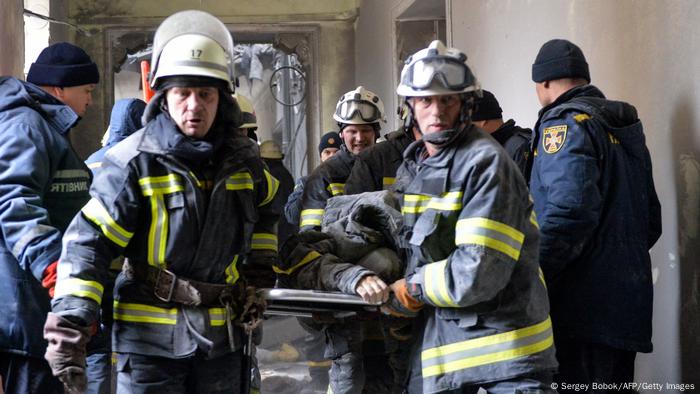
(329, 140)
(486, 107)
(63, 65)
(559, 59)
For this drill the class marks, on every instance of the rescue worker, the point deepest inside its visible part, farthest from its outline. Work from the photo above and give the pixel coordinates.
(249, 121)
(179, 199)
(358, 113)
(124, 120)
(272, 155)
(328, 146)
(488, 116)
(472, 272)
(43, 184)
(599, 215)
(375, 168)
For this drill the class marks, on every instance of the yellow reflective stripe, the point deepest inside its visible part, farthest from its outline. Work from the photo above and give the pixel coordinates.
(232, 271)
(487, 350)
(317, 364)
(311, 217)
(436, 284)
(165, 184)
(336, 189)
(272, 186)
(541, 275)
(388, 181)
(490, 233)
(142, 313)
(264, 241)
(79, 288)
(533, 219)
(311, 256)
(98, 214)
(158, 232)
(416, 203)
(217, 316)
(94, 165)
(240, 181)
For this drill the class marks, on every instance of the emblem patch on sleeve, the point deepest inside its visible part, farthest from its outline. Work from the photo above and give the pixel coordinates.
(553, 138)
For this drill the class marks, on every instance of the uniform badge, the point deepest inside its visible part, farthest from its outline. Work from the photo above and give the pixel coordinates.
(553, 138)
(331, 141)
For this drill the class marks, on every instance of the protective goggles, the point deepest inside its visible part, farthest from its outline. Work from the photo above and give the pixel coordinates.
(351, 109)
(451, 73)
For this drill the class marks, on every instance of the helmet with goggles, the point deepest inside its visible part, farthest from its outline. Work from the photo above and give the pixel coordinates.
(192, 43)
(436, 70)
(359, 106)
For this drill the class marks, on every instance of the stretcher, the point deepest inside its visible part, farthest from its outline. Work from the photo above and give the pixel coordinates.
(319, 305)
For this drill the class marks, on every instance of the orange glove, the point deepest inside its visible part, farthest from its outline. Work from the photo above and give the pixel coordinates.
(401, 293)
(48, 278)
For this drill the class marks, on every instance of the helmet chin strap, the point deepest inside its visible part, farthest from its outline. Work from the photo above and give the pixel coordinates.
(444, 137)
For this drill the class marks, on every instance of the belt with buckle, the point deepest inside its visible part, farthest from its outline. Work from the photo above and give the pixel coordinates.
(169, 287)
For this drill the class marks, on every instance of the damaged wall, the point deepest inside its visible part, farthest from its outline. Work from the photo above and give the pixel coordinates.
(334, 21)
(645, 52)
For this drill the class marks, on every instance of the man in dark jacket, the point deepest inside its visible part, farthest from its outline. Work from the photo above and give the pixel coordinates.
(43, 184)
(328, 146)
(124, 120)
(515, 140)
(599, 216)
(179, 200)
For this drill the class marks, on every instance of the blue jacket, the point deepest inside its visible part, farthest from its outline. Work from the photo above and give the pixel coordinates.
(43, 184)
(599, 215)
(124, 120)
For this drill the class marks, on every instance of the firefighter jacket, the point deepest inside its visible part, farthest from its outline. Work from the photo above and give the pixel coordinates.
(161, 208)
(280, 172)
(473, 262)
(291, 208)
(326, 181)
(599, 215)
(375, 168)
(516, 141)
(43, 184)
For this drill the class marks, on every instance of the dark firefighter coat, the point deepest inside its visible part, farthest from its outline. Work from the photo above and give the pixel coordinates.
(473, 262)
(599, 216)
(375, 168)
(326, 181)
(43, 184)
(516, 141)
(150, 206)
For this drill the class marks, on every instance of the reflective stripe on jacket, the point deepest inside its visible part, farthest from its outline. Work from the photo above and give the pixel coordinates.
(326, 181)
(473, 261)
(152, 208)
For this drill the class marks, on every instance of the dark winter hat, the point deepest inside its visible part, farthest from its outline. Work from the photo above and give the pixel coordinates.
(486, 107)
(64, 65)
(329, 140)
(560, 59)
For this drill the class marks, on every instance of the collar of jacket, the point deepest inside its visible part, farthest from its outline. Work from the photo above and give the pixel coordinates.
(503, 133)
(583, 90)
(15, 93)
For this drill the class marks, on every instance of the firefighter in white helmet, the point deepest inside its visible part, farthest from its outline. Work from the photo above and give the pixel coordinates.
(179, 200)
(473, 277)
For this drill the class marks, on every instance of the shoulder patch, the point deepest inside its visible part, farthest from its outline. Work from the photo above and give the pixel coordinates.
(553, 138)
(581, 117)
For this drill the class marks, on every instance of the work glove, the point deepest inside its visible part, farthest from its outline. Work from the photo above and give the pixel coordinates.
(49, 276)
(401, 303)
(66, 351)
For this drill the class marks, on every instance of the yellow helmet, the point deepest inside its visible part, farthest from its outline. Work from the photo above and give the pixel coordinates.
(250, 121)
(270, 150)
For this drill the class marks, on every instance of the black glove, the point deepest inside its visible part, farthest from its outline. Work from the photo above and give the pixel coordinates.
(66, 351)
